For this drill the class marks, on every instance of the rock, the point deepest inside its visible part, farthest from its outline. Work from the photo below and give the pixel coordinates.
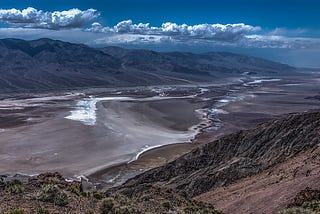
(236, 156)
(86, 186)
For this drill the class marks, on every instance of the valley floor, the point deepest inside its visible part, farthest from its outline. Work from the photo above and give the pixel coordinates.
(127, 132)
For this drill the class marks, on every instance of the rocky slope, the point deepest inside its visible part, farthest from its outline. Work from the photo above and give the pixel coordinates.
(50, 193)
(273, 189)
(225, 162)
(49, 64)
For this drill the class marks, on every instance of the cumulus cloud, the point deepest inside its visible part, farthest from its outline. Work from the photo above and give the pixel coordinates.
(301, 51)
(280, 42)
(219, 32)
(33, 23)
(33, 18)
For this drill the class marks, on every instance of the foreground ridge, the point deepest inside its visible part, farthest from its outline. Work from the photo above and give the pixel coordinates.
(229, 160)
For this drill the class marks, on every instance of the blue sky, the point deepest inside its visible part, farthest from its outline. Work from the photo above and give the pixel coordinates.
(282, 30)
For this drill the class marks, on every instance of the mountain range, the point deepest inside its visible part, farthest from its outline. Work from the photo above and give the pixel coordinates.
(47, 64)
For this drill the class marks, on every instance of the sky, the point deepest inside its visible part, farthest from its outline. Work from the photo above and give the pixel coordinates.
(280, 30)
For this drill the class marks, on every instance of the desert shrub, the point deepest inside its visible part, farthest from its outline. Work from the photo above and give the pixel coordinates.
(108, 206)
(14, 187)
(312, 205)
(190, 209)
(89, 212)
(166, 205)
(42, 211)
(125, 210)
(85, 194)
(15, 211)
(296, 210)
(74, 189)
(52, 193)
(98, 195)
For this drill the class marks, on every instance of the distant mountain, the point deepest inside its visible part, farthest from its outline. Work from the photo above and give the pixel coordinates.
(47, 64)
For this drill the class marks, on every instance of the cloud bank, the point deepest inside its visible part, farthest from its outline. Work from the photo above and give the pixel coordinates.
(295, 46)
(169, 33)
(220, 32)
(232, 35)
(33, 18)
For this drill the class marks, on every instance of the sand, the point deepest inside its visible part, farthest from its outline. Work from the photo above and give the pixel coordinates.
(123, 130)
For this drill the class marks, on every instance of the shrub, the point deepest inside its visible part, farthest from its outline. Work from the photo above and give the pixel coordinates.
(108, 206)
(15, 211)
(74, 189)
(14, 187)
(52, 193)
(42, 211)
(85, 194)
(89, 212)
(125, 210)
(296, 210)
(312, 205)
(166, 205)
(191, 209)
(98, 195)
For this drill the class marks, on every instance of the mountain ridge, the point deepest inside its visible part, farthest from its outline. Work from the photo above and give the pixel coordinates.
(253, 150)
(46, 64)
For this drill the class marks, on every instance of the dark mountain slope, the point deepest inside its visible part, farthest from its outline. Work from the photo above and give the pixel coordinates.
(213, 63)
(235, 156)
(46, 64)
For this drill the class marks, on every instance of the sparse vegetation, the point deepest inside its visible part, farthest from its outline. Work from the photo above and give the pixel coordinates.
(15, 211)
(55, 196)
(108, 206)
(297, 210)
(52, 193)
(98, 195)
(85, 194)
(312, 205)
(42, 211)
(308, 207)
(166, 205)
(14, 187)
(74, 189)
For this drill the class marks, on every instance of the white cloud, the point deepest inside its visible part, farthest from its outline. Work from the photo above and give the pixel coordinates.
(33, 18)
(31, 23)
(301, 51)
(218, 32)
(231, 35)
(283, 42)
